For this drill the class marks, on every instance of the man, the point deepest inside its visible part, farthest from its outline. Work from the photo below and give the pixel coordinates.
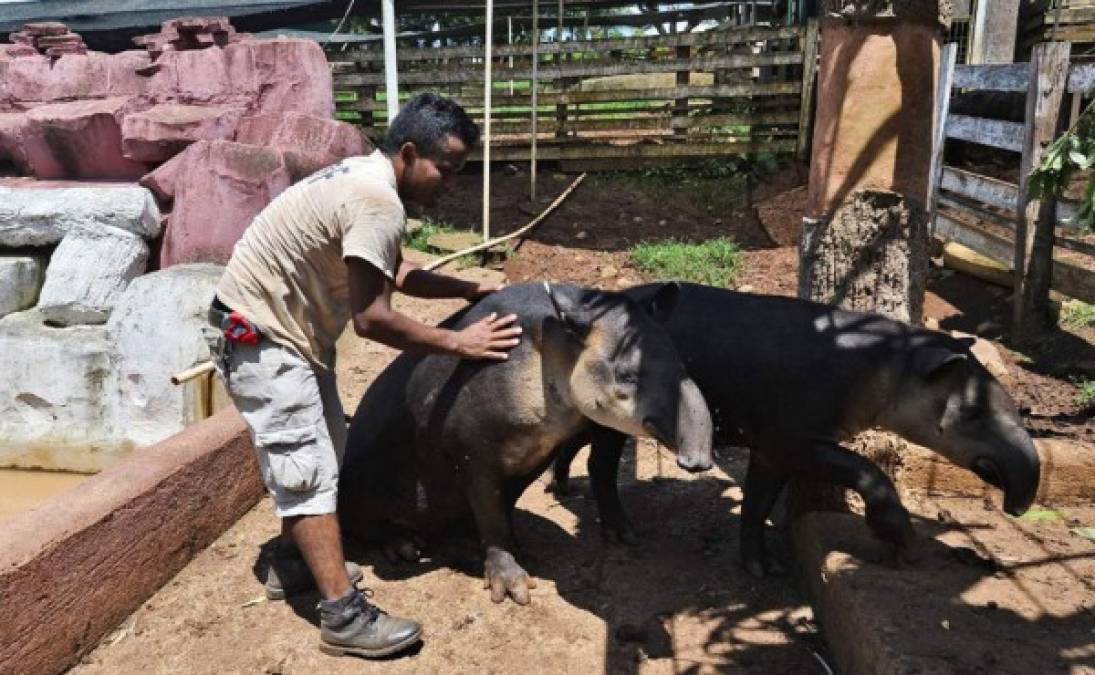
(326, 251)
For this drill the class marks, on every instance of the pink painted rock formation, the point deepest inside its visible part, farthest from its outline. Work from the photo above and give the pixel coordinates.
(217, 187)
(80, 139)
(32, 80)
(161, 132)
(309, 143)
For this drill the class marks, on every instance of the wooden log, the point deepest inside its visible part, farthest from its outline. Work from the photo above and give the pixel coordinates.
(942, 112)
(995, 77)
(580, 69)
(705, 39)
(730, 91)
(1034, 245)
(990, 191)
(993, 133)
(809, 77)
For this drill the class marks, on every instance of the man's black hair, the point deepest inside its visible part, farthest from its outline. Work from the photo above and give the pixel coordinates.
(426, 120)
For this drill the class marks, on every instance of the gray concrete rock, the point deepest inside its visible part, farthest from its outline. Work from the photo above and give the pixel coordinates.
(87, 273)
(156, 329)
(41, 216)
(20, 281)
(56, 395)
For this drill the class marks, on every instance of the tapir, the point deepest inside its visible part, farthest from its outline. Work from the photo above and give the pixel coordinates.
(790, 379)
(435, 438)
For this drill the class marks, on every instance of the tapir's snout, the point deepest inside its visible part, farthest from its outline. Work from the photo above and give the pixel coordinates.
(1017, 471)
(690, 434)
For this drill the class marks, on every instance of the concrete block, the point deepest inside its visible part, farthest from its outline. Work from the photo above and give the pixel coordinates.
(156, 328)
(78, 565)
(55, 395)
(20, 281)
(88, 272)
(40, 216)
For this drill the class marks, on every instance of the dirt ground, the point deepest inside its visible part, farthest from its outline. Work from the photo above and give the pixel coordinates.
(676, 603)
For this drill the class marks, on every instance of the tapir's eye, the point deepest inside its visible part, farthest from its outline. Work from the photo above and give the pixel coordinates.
(627, 377)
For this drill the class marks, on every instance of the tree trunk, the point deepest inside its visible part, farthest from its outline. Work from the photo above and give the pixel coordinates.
(870, 256)
(865, 243)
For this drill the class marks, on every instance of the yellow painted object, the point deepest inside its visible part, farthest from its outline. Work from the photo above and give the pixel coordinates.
(967, 261)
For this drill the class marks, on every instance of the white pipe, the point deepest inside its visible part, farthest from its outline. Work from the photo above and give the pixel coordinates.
(487, 44)
(509, 28)
(535, 86)
(391, 70)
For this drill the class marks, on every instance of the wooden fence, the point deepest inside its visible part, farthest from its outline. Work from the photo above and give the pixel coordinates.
(1060, 20)
(601, 103)
(997, 218)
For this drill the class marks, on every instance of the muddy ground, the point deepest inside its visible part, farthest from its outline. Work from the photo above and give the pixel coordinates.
(677, 602)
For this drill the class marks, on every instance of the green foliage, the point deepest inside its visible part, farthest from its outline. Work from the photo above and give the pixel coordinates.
(715, 262)
(419, 239)
(1076, 314)
(1074, 151)
(1085, 392)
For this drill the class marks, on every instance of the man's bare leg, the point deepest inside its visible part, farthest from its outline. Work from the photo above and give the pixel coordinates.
(320, 543)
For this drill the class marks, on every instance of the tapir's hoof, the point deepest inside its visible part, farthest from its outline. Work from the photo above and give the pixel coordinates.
(403, 548)
(505, 577)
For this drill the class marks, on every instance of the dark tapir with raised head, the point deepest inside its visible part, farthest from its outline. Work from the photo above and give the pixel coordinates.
(436, 437)
(790, 379)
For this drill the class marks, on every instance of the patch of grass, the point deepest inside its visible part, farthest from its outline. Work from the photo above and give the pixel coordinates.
(716, 262)
(419, 239)
(1076, 314)
(1085, 392)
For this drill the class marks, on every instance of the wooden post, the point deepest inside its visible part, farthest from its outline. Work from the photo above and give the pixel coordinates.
(1035, 223)
(806, 101)
(391, 76)
(942, 109)
(487, 86)
(535, 85)
(680, 105)
(560, 85)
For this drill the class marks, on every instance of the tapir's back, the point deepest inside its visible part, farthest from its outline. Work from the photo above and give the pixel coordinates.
(771, 365)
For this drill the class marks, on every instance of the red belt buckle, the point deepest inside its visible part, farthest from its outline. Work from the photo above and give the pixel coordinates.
(239, 329)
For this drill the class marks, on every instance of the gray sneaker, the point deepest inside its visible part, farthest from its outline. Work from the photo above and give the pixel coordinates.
(289, 575)
(351, 625)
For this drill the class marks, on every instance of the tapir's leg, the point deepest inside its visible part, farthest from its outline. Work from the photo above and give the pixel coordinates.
(560, 468)
(763, 482)
(886, 516)
(492, 504)
(604, 463)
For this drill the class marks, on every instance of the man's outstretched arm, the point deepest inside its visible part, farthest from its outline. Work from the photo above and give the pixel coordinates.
(411, 279)
(374, 318)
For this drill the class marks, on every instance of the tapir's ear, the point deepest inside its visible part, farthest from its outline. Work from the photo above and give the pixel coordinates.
(932, 361)
(661, 304)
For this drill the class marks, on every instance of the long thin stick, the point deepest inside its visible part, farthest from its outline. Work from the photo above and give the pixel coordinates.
(488, 39)
(512, 235)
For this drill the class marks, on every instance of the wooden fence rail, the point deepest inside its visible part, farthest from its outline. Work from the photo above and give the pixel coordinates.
(1003, 220)
(679, 96)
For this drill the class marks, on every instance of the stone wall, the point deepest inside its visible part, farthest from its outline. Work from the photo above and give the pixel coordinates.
(125, 181)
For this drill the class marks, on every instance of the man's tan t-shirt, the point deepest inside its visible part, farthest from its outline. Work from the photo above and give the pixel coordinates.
(288, 273)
